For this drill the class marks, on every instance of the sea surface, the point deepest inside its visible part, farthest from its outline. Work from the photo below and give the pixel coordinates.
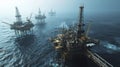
(36, 50)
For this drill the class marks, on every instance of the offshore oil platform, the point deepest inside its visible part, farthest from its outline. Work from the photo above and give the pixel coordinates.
(19, 27)
(52, 13)
(40, 18)
(72, 46)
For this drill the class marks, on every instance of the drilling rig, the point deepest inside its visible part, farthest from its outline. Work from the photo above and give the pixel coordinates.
(72, 45)
(20, 27)
(40, 18)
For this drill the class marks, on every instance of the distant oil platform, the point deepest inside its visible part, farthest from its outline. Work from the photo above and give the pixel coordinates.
(52, 13)
(40, 18)
(72, 45)
(20, 27)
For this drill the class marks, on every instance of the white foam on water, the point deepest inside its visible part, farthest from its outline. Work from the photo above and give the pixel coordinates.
(112, 48)
(63, 25)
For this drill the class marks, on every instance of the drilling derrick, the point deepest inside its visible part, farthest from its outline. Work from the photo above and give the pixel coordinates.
(18, 17)
(81, 31)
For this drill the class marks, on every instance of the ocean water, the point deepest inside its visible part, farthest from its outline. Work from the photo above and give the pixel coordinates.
(36, 50)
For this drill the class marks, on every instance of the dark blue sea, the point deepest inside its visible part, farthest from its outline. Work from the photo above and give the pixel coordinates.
(36, 50)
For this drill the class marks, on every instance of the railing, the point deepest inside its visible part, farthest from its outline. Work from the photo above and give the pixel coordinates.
(98, 60)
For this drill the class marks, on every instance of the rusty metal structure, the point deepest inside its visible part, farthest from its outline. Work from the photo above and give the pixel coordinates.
(74, 43)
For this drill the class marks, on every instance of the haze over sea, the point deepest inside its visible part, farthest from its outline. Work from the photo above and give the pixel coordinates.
(36, 50)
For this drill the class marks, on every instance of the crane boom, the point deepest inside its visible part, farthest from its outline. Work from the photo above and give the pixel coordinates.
(88, 29)
(7, 23)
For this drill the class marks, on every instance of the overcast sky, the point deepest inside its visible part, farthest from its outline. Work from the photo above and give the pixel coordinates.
(7, 7)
